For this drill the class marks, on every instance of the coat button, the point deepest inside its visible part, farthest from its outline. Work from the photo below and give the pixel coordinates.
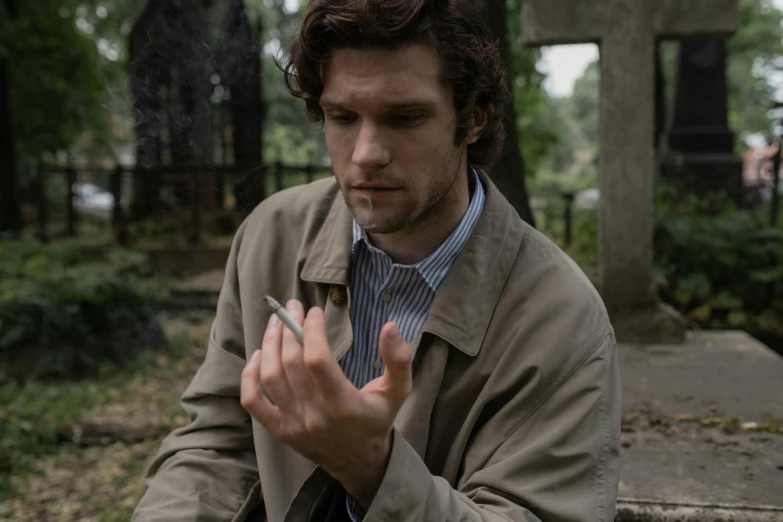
(337, 296)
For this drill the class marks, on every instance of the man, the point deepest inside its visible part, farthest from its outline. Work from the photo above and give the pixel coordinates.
(455, 365)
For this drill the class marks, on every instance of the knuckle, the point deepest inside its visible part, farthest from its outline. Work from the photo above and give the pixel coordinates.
(338, 415)
(246, 400)
(269, 336)
(271, 378)
(247, 372)
(285, 436)
(315, 424)
(316, 362)
(294, 432)
(291, 359)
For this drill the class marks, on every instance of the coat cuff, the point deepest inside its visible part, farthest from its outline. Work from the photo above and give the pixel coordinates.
(405, 487)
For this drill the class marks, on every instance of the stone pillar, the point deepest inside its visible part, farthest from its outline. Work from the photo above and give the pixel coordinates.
(627, 31)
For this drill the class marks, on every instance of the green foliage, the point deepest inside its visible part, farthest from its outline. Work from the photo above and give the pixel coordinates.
(719, 269)
(55, 90)
(583, 103)
(537, 134)
(723, 270)
(61, 318)
(31, 411)
(584, 242)
(755, 54)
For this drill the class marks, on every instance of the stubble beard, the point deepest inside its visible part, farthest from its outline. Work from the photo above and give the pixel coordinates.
(412, 213)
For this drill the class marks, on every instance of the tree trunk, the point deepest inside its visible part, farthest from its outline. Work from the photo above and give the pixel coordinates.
(10, 210)
(509, 172)
(240, 66)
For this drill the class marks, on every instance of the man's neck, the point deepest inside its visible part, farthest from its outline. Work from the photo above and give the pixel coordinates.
(409, 247)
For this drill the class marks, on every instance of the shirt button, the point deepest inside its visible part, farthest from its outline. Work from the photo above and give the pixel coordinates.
(386, 298)
(377, 365)
(337, 296)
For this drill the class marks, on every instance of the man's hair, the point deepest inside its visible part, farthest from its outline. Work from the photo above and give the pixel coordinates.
(470, 61)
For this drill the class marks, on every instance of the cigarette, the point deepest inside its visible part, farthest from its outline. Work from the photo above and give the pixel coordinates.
(285, 317)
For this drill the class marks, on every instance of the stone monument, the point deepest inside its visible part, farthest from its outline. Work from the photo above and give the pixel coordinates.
(628, 32)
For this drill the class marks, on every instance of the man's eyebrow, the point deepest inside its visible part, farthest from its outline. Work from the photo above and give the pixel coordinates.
(326, 104)
(395, 106)
(413, 104)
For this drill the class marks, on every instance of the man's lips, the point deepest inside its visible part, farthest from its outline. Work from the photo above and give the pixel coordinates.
(375, 191)
(373, 186)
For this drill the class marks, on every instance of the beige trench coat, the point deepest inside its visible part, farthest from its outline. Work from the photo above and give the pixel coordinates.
(515, 408)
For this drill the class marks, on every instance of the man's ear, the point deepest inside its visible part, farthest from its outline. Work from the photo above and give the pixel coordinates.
(477, 122)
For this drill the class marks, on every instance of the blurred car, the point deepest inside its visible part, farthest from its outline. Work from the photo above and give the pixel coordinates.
(93, 201)
(587, 199)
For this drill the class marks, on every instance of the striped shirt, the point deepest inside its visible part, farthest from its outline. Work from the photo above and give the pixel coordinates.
(386, 291)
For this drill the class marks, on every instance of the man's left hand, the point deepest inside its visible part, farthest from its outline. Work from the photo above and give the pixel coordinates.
(316, 411)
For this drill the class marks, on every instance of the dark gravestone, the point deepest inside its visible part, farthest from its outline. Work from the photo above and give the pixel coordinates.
(700, 136)
(179, 49)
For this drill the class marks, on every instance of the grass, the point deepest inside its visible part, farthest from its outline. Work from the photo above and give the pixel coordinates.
(52, 480)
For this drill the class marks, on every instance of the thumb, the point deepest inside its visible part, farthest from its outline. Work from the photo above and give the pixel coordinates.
(398, 357)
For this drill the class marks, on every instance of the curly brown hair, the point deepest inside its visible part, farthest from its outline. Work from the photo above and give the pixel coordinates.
(470, 60)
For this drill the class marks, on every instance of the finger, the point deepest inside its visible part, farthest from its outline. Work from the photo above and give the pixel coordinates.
(271, 370)
(292, 357)
(251, 398)
(397, 357)
(319, 361)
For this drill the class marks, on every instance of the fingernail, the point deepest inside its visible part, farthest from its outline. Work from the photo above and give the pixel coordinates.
(274, 320)
(291, 305)
(255, 356)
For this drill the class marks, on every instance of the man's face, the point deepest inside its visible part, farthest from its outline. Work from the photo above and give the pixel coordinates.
(390, 127)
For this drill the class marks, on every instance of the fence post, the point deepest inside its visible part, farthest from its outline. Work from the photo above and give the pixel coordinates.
(42, 212)
(278, 176)
(775, 209)
(70, 175)
(117, 218)
(310, 172)
(194, 232)
(568, 198)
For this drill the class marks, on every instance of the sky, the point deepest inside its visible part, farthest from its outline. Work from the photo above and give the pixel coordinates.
(564, 64)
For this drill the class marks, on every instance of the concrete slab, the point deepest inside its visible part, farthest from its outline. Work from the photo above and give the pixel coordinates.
(702, 431)
(726, 373)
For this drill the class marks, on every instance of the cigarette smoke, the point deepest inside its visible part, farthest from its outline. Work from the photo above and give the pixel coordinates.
(369, 223)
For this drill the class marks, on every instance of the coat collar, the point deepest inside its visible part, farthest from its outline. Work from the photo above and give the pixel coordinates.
(466, 300)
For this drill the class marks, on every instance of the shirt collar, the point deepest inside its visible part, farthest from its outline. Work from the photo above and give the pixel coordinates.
(435, 268)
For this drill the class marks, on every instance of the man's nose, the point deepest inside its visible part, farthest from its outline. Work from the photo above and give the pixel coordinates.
(370, 150)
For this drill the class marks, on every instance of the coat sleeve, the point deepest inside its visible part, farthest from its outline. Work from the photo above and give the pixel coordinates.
(206, 470)
(560, 464)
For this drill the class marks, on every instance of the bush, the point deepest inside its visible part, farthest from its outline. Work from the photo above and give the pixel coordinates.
(63, 318)
(724, 269)
(721, 267)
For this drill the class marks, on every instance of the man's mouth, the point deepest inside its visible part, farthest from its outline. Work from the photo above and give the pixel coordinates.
(375, 191)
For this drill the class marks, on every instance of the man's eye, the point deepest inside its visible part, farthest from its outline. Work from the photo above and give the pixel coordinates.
(342, 118)
(408, 120)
